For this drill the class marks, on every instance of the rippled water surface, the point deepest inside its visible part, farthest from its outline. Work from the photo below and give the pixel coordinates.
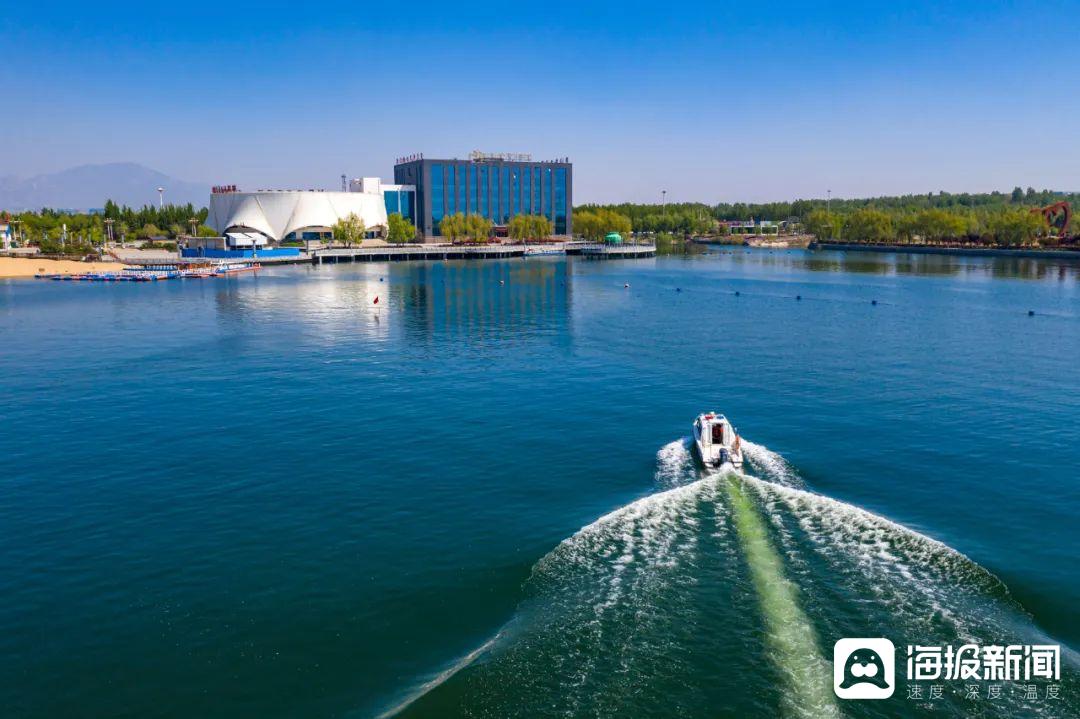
(267, 496)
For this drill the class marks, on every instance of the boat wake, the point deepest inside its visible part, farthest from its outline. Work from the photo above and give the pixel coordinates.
(722, 595)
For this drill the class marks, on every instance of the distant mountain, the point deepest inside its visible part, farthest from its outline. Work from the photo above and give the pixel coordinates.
(88, 186)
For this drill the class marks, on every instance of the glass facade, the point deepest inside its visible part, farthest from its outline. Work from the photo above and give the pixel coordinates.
(526, 191)
(560, 201)
(547, 194)
(504, 192)
(484, 191)
(438, 198)
(474, 190)
(401, 202)
(495, 189)
(461, 206)
(515, 189)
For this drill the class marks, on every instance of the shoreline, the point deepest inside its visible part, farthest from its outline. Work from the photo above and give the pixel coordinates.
(1067, 255)
(27, 267)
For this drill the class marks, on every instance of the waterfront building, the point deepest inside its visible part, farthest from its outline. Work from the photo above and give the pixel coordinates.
(496, 186)
(267, 216)
(752, 227)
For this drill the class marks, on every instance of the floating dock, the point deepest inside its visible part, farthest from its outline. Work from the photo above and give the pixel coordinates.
(154, 270)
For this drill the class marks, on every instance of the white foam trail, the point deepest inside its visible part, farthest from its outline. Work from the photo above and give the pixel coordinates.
(675, 464)
(440, 678)
(770, 465)
(909, 570)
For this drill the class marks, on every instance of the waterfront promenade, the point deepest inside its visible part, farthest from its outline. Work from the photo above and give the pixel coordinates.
(392, 253)
(1042, 254)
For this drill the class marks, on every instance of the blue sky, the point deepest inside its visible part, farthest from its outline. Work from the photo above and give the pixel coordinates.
(711, 101)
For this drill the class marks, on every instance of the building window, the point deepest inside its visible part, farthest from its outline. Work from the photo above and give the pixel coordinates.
(560, 201)
(484, 191)
(461, 206)
(536, 192)
(526, 191)
(516, 190)
(474, 194)
(438, 198)
(401, 202)
(504, 192)
(547, 194)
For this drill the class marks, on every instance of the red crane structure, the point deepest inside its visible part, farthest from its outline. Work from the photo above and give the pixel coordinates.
(1051, 212)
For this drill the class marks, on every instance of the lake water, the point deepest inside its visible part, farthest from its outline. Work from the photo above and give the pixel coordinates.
(267, 496)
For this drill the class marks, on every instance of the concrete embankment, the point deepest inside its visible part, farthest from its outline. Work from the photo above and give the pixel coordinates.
(1067, 255)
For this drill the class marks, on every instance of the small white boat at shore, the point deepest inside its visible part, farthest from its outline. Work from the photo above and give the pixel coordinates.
(716, 441)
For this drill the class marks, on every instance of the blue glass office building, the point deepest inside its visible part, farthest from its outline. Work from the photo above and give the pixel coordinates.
(496, 187)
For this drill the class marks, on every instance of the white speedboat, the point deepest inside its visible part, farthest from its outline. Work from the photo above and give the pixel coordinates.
(716, 441)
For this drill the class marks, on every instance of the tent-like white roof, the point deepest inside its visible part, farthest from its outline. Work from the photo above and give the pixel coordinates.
(276, 213)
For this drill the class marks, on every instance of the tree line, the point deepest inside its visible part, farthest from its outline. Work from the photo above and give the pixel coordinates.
(477, 228)
(993, 217)
(351, 229)
(56, 231)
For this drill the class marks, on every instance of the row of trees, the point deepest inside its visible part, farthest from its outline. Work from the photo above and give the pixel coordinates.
(1003, 218)
(56, 231)
(458, 225)
(680, 216)
(477, 228)
(351, 229)
(593, 222)
(1003, 226)
(530, 227)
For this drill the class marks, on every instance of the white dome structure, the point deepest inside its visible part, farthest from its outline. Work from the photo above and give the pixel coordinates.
(289, 214)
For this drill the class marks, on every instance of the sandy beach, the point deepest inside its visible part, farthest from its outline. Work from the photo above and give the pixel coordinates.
(30, 266)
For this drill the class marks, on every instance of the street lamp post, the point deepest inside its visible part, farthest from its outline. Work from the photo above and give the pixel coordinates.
(828, 215)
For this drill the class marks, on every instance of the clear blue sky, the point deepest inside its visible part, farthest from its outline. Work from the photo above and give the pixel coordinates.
(711, 101)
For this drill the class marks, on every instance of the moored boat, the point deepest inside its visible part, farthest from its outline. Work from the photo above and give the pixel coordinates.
(716, 441)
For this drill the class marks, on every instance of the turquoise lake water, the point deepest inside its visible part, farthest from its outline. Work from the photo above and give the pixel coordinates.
(264, 496)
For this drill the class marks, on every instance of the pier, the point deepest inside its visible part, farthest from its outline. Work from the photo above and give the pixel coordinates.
(612, 252)
(404, 253)
(417, 252)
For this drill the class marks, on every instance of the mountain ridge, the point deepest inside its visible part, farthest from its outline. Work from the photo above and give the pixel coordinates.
(88, 187)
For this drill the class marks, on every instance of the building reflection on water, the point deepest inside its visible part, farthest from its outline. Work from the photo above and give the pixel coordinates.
(473, 301)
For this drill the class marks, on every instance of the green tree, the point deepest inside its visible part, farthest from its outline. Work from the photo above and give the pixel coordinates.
(1015, 226)
(453, 226)
(478, 228)
(594, 224)
(399, 229)
(349, 229)
(206, 231)
(868, 225)
(148, 232)
(518, 228)
(540, 227)
(822, 224)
